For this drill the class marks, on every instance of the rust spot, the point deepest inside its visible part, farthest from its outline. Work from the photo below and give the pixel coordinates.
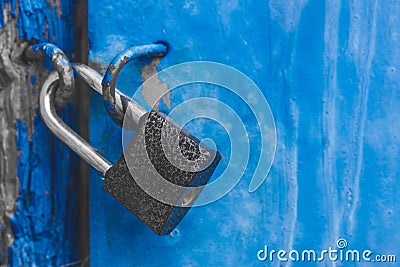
(51, 3)
(16, 9)
(29, 120)
(154, 88)
(18, 156)
(57, 5)
(6, 12)
(31, 129)
(46, 31)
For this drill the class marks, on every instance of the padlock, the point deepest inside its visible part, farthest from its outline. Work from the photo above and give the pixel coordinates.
(188, 165)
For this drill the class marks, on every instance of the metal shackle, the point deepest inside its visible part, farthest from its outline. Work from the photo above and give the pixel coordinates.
(79, 145)
(63, 131)
(122, 102)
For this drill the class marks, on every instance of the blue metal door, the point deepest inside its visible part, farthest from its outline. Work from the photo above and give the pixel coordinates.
(329, 72)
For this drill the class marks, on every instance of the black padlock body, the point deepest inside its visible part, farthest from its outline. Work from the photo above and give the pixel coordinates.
(150, 161)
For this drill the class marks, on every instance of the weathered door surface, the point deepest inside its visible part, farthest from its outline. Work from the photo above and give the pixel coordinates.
(329, 70)
(39, 176)
(330, 73)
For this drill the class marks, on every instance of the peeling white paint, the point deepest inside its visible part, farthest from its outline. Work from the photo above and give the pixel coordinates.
(153, 88)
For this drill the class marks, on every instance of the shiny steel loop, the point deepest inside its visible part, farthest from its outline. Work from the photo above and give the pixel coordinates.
(94, 79)
(65, 133)
(111, 100)
(63, 67)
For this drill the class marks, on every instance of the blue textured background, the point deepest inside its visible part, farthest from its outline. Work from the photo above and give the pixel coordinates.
(330, 71)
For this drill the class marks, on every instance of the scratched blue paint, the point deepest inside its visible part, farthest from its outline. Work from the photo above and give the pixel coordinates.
(116, 65)
(150, 50)
(45, 206)
(32, 79)
(44, 224)
(41, 21)
(46, 48)
(329, 70)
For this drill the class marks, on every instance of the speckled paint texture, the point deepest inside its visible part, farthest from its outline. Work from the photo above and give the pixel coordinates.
(329, 70)
(41, 20)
